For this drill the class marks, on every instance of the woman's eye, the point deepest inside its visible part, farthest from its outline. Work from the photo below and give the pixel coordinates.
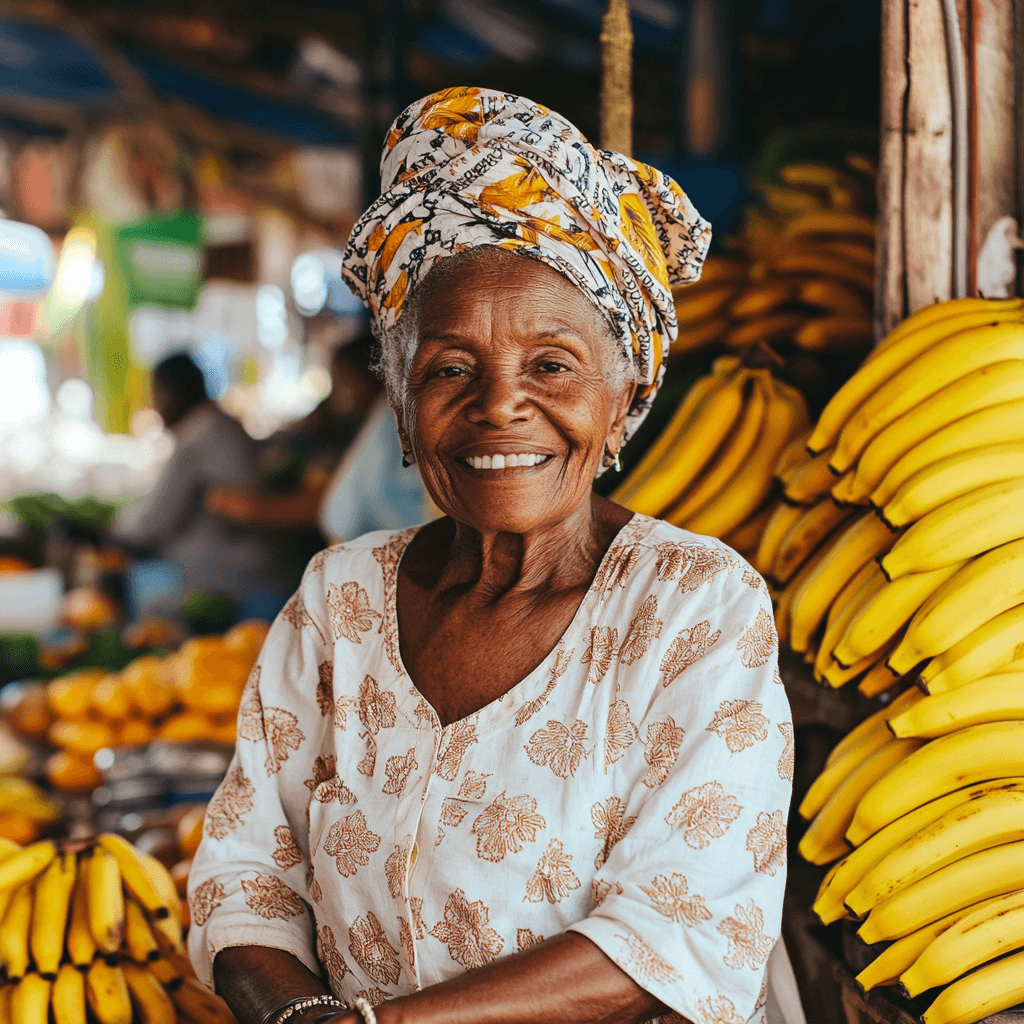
(552, 367)
(450, 371)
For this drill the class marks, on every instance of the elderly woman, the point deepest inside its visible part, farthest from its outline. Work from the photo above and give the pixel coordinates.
(529, 762)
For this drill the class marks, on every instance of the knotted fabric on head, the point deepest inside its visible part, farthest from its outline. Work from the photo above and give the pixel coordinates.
(469, 167)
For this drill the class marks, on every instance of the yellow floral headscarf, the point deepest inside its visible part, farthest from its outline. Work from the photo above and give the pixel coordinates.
(468, 167)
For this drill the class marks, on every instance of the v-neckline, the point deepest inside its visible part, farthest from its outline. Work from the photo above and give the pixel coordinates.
(518, 692)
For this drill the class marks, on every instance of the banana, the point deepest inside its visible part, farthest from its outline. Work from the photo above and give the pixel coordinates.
(106, 900)
(794, 454)
(14, 933)
(887, 361)
(763, 297)
(717, 269)
(855, 251)
(842, 491)
(995, 646)
(747, 536)
(161, 878)
(823, 264)
(984, 588)
(835, 675)
(977, 937)
(24, 866)
(864, 539)
(952, 478)
(887, 611)
(135, 877)
(874, 723)
(813, 528)
(835, 332)
(694, 336)
(138, 937)
(785, 416)
(824, 839)
(832, 775)
(995, 698)
(692, 449)
(107, 992)
(990, 820)
(30, 1000)
(810, 481)
(51, 902)
(988, 386)
(731, 459)
(80, 943)
(830, 904)
(898, 957)
(833, 296)
(68, 998)
(151, 1001)
(991, 751)
(165, 972)
(937, 311)
(994, 987)
(878, 680)
(979, 521)
(831, 222)
(695, 304)
(784, 600)
(971, 879)
(775, 529)
(7, 849)
(940, 365)
(861, 588)
(771, 328)
(787, 200)
(199, 1004)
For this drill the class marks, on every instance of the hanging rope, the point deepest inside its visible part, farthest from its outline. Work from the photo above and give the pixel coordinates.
(617, 78)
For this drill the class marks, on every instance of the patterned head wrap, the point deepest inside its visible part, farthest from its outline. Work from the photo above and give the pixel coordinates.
(469, 167)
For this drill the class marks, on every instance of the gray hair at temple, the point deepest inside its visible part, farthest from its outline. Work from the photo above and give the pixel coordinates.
(398, 344)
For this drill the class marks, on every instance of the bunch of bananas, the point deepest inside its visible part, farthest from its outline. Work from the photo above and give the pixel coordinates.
(192, 694)
(916, 462)
(26, 812)
(96, 930)
(805, 272)
(711, 469)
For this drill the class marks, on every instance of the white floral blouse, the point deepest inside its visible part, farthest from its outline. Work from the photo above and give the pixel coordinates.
(634, 788)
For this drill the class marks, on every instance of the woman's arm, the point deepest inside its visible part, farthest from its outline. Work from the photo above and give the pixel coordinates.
(565, 980)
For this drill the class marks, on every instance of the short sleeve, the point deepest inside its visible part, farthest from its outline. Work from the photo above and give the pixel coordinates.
(249, 881)
(689, 900)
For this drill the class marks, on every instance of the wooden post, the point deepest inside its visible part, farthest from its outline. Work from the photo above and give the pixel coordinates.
(617, 78)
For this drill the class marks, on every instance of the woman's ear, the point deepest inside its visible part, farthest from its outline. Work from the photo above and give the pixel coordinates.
(621, 410)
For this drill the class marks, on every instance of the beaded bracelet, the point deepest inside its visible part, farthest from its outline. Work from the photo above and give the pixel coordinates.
(283, 1013)
(365, 1010)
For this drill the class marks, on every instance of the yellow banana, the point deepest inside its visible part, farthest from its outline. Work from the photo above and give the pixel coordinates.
(151, 1001)
(830, 904)
(717, 269)
(695, 447)
(763, 297)
(668, 439)
(829, 779)
(807, 534)
(997, 424)
(861, 588)
(696, 304)
(977, 937)
(979, 521)
(951, 478)
(133, 874)
(14, 933)
(835, 332)
(107, 993)
(5, 1004)
(842, 490)
(68, 998)
(886, 362)
(977, 877)
(864, 539)
(878, 680)
(887, 611)
(784, 601)
(855, 251)
(30, 1000)
(770, 328)
(785, 416)
(824, 839)
(832, 222)
(931, 371)
(138, 936)
(80, 943)
(835, 675)
(991, 751)
(994, 987)
(161, 878)
(779, 522)
(24, 866)
(106, 900)
(990, 820)
(794, 453)
(995, 698)
(7, 849)
(833, 296)
(730, 461)
(825, 264)
(987, 586)
(199, 1004)
(995, 646)
(51, 902)
(747, 536)
(694, 336)
(810, 481)
(165, 972)
(874, 723)
(896, 958)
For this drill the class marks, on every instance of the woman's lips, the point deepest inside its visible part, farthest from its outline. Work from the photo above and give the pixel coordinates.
(512, 460)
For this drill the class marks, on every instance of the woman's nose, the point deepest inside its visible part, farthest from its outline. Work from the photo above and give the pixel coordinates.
(500, 400)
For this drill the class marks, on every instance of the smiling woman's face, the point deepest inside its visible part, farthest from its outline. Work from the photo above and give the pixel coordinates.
(508, 409)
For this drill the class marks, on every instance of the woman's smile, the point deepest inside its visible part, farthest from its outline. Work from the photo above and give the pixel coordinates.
(506, 462)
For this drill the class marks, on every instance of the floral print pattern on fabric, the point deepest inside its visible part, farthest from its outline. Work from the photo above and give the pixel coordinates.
(468, 167)
(640, 800)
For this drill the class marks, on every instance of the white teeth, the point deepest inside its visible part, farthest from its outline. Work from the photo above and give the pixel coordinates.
(511, 461)
(504, 461)
(478, 463)
(486, 462)
(497, 462)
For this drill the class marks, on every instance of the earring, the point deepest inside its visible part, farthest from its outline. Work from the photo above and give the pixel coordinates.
(617, 465)
(408, 459)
